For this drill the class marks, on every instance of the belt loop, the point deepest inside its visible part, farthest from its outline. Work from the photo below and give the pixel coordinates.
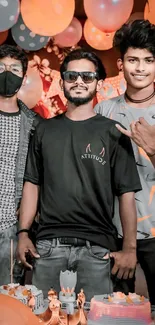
(54, 242)
(88, 244)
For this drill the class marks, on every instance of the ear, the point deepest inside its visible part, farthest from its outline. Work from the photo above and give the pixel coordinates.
(61, 84)
(120, 64)
(99, 85)
(24, 80)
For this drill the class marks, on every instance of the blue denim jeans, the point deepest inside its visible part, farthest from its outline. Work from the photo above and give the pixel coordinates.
(93, 272)
(5, 257)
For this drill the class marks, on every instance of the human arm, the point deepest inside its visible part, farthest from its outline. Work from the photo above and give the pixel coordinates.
(125, 260)
(28, 210)
(126, 182)
(29, 203)
(143, 134)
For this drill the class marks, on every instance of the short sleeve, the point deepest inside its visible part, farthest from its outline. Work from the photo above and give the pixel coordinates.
(106, 107)
(34, 165)
(124, 169)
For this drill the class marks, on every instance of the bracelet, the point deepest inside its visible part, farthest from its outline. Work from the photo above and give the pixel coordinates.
(22, 230)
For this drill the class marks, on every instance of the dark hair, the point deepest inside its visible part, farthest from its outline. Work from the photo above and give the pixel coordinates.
(14, 53)
(79, 54)
(137, 34)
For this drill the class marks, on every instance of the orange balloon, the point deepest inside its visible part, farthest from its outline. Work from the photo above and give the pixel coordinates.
(108, 15)
(97, 39)
(149, 11)
(47, 17)
(3, 36)
(31, 92)
(14, 312)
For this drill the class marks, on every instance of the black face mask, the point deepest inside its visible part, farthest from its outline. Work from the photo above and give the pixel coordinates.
(9, 84)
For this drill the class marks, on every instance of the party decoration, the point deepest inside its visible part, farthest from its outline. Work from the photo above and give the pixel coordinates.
(31, 92)
(97, 39)
(61, 53)
(9, 11)
(136, 16)
(14, 312)
(71, 35)
(112, 87)
(25, 38)
(108, 15)
(3, 36)
(46, 17)
(42, 66)
(149, 11)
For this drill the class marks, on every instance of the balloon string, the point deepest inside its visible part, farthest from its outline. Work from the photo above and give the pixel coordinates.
(12, 262)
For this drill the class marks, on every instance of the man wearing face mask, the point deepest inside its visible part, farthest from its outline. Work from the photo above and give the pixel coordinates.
(17, 123)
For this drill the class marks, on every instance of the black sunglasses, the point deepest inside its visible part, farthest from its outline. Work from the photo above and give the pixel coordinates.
(86, 76)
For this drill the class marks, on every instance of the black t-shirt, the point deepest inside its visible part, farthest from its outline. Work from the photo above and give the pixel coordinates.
(80, 166)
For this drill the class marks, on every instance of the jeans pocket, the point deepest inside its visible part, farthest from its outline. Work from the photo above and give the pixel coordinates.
(99, 252)
(44, 248)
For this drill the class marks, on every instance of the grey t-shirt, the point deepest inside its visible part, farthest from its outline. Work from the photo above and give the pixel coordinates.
(117, 109)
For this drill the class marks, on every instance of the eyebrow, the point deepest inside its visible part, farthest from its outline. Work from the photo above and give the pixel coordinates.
(136, 57)
(14, 64)
(17, 64)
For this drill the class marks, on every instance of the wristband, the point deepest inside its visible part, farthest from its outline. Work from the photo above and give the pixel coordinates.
(22, 230)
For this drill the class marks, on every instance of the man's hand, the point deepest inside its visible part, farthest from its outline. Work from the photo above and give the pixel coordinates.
(142, 133)
(24, 247)
(124, 264)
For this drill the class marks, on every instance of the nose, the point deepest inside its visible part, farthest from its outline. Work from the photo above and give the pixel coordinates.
(140, 66)
(79, 80)
(7, 67)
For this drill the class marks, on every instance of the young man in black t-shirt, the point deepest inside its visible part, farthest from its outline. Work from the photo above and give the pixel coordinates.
(77, 163)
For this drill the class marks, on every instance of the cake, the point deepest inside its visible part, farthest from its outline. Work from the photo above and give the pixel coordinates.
(24, 294)
(119, 309)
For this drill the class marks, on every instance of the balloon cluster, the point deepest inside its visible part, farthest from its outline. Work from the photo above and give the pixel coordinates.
(34, 22)
(104, 18)
(108, 15)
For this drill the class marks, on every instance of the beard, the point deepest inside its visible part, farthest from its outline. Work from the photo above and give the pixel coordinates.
(78, 101)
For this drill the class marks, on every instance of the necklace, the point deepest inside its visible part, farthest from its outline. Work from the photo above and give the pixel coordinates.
(138, 101)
